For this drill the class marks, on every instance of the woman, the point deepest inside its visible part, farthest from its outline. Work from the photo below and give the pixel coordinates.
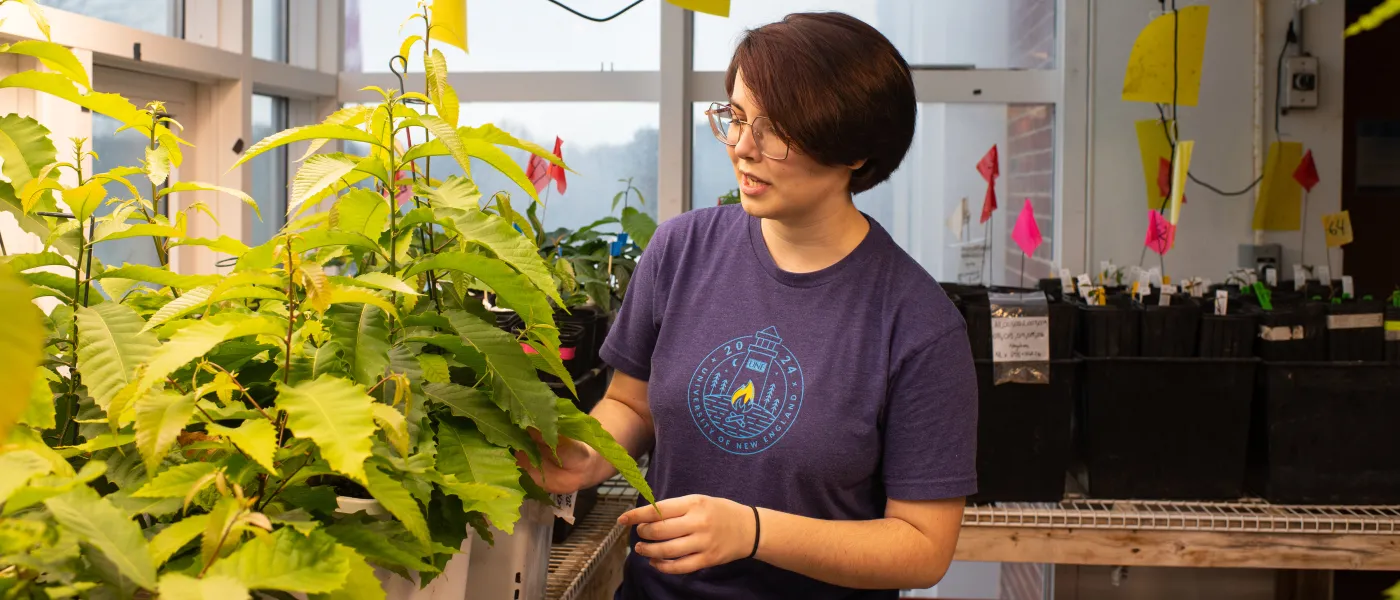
(804, 387)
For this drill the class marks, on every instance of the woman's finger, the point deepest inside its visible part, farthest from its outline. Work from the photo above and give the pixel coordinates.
(667, 529)
(665, 509)
(670, 549)
(681, 566)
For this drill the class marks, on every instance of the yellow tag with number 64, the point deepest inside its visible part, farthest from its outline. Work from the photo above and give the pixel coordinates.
(1338, 229)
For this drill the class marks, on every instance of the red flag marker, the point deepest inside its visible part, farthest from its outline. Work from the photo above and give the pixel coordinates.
(1306, 173)
(990, 169)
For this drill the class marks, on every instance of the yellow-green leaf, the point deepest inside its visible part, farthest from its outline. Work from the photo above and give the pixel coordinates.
(467, 457)
(17, 468)
(393, 424)
(362, 211)
(344, 295)
(288, 561)
(212, 587)
(110, 346)
(178, 481)
(171, 539)
(158, 276)
(515, 383)
(105, 527)
(318, 174)
(434, 368)
(377, 281)
(308, 132)
(84, 199)
(394, 498)
(489, 419)
(362, 333)
(361, 584)
(575, 425)
(25, 149)
(160, 416)
(349, 116)
(158, 164)
(55, 57)
(194, 186)
(21, 349)
(224, 244)
(335, 413)
(195, 340)
(255, 437)
(513, 290)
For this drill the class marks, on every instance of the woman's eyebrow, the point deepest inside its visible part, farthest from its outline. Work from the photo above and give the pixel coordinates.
(737, 106)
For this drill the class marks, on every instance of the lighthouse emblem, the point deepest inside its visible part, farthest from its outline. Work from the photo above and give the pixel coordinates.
(746, 394)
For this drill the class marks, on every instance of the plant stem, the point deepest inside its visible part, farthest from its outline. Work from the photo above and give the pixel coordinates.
(217, 549)
(161, 252)
(291, 312)
(285, 481)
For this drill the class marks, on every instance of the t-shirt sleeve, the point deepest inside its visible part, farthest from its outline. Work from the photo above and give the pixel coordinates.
(632, 338)
(930, 445)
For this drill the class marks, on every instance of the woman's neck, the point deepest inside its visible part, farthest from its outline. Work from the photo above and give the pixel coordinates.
(817, 240)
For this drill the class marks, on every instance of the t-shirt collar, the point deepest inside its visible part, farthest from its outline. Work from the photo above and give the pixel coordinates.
(867, 246)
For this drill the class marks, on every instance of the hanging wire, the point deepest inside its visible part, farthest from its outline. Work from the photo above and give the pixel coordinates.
(595, 19)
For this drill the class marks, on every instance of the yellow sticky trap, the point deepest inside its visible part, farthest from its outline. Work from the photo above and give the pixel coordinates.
(1280, 203)
(719, 8)
(1338, 228)
(449, 23)
(1149, 76)
(1155, 147)
(1181, 166)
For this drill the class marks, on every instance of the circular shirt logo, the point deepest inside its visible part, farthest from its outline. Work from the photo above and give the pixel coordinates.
(746, 393)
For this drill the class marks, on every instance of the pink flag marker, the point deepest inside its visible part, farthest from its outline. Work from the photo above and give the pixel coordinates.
(1161, 234)
(1026, 234)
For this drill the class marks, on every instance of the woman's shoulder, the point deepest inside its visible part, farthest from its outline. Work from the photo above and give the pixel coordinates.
(701, 227)
(916, 302)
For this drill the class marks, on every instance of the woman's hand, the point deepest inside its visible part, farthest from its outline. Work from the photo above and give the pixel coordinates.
(692, 532)
(573, 472)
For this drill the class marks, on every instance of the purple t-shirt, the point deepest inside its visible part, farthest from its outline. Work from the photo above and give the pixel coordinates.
(818, 394)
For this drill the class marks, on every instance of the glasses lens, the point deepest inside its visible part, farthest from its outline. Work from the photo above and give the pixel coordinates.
(769, 143)
(721, 121)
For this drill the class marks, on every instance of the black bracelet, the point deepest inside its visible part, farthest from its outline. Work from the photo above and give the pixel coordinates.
(757, 527)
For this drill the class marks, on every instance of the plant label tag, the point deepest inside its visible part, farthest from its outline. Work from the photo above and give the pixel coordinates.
(971, 263)
(1020, 339)
(1300, 278)
(1104, 266)
(1348, 289)
(1222, 302)
(1252, 276)
(1324, 274)
(564, 506)
(1084, 285)
(1271, 277)
(1066, 281)
(1154, 276)
(1165, 298)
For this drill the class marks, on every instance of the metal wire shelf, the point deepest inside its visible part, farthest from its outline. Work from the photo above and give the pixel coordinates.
(1247, 516)
(572, 563)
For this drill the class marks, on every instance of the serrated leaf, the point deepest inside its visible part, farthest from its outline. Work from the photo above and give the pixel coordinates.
(447, 136)
(275, 250)
(464, 454)
(318, 287)
(434, 367)
(195, 340)
(133, 506)
(575, 425)
(376, 281)
(213, 587)
(497, 235)
(194, 186)
(360, 584)
(25, 262)
(21, 349)
(492, 134)
(158, 276)
(105, 527)
(54, 56)
(171, 539)
(187, 303)
(350, 116)
(362, 333)
(335, 413)
(41, 412)
(516, 386)
(110, 346)
(17, 468)
(178, 481)
(158, 164)
(488, 418)
(318, 174)
(394, 425)
(255, 437)
(443, 97)
(25, 148)
(84, 199)
(60, 86)
(394, 498)
(639, 226)
(224, 244)
(362, 211)
(160, 416)
(308, 132)
(377, 541)
(513, 290)
(286, 560)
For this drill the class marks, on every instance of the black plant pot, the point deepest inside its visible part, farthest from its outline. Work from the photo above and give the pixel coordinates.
(1293, 333)
(1024, 441)
(977, 313)
(1230, 335)
(1170, 331)
(1392, 334)
(1356, 331)
(1110, 331)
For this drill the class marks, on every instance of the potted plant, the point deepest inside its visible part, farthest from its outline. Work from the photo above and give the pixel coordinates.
(190, 437)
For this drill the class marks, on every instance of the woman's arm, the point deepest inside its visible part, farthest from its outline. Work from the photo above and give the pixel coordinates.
(624, 413)
(908, 549)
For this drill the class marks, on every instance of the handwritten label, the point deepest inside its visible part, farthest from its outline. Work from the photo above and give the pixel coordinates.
(1271, 277)
(1300, 278)
(1154, 277)
(564, 506)
(1104, 266)
(1165, 298)
(1085, 285)
(1324, 274)
(1066, 282)
(1222, 302)
(1338, 229)
(1021, 339)
(1348, 287)
(970, 262)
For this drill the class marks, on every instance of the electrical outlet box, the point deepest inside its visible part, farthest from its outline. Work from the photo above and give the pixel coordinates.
(1300, 82)
(1262, 256)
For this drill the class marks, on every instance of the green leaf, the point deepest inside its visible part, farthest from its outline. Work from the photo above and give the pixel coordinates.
(434, 368)
(446, 134)
(171, 539)
(336, 414)
(43, 487)
(195, 340)
(502, 162)
(25, 148)
(515, 383)
(178, 481)
(103, 526)
(25, 262)
(191, 301)
(444, 99)
(110, 345)
(639, 226)
(194, 186)
(319, 173)
(21, 349)
(360, 584)
(60, 86)
(392, 495)
(17, 468)
(132, 506)
(255, 437)
(315, 499)
(362, 211)
(54, 56)
(376, 281)
(41, 412)
(158, 164)
(513, 290)
(274, 251)
(379, 542)
(497, 235)
(468, 457)
(158, 276)
(224, 244)
(214, 587)
(160, 416)
(575, 425)
(299, 134)
(394, 425)
(286, 560)
(362, 334)
(349, 116)
(488, 418)
(494, 135)
(108, 231)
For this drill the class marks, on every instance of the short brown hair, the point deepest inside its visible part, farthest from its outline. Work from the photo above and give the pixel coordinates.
(835, 88)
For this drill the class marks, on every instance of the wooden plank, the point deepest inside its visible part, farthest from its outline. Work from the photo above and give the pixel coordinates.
(1179, 549)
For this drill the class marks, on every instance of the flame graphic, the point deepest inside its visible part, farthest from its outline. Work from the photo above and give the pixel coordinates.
(743, 394)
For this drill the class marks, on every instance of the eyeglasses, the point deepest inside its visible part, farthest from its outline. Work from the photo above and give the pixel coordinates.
(729, 130)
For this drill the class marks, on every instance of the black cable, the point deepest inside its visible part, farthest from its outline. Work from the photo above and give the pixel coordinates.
(1290, 38)
(595, 19)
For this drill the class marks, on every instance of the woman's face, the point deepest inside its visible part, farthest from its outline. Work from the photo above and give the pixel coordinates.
(780, 189)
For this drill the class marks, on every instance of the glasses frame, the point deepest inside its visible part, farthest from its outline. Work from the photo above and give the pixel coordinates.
(713, 114)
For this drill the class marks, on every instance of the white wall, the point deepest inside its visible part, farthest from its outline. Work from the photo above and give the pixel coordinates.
(1222, 125)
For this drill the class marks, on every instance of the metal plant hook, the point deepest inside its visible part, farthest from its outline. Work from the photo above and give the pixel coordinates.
(400, 59)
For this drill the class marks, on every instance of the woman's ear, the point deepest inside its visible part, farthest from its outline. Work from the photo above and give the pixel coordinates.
(855, 166)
